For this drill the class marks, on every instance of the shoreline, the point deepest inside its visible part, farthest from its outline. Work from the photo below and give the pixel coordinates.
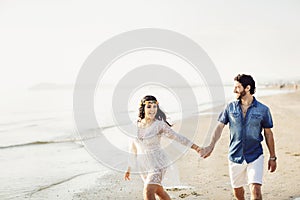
(209, 178)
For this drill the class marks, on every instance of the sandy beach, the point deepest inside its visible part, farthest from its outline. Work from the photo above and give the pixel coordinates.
(208, 179)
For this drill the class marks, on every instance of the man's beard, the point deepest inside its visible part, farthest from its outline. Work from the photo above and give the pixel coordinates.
(241, 94)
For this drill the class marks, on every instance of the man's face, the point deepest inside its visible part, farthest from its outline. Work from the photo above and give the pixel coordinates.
(239, 90)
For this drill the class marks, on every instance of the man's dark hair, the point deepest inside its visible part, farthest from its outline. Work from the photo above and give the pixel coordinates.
(246, 80)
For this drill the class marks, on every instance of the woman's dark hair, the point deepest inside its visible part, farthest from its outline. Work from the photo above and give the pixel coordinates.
(246, 80)
(160, 115)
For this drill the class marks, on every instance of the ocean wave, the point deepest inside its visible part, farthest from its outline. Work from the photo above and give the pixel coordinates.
(36, 143)
(26, 121)
(59, 182)
(14, 125)
(91, 134)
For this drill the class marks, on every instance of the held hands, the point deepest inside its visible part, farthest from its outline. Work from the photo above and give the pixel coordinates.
(206, 151)
(196, 148)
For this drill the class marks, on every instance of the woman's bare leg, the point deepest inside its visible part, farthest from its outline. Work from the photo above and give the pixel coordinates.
(162, 194)
(149, 191)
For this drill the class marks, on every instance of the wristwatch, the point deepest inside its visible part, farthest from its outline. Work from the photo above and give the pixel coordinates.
(273, 158)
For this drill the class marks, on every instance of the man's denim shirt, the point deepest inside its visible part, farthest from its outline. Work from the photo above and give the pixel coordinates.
(245, 133)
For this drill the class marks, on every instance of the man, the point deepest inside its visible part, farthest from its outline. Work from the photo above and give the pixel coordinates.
(247, 117)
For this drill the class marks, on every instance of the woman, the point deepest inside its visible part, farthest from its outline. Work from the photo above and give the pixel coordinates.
(152, 160)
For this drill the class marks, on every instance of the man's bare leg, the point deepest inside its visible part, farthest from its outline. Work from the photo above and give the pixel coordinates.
(239, 193)
(255, 190)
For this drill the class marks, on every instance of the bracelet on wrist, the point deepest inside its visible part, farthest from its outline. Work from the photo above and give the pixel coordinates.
(273, 158)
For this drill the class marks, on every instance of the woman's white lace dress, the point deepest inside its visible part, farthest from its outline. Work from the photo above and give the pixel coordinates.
(152, 161)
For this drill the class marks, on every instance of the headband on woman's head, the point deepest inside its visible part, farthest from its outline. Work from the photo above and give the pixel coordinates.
(149, 102)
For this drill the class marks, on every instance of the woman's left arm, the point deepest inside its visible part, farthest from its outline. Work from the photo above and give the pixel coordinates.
(170, 133)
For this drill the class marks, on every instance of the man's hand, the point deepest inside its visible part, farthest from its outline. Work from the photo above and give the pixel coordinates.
(272, 165)
(206, 151)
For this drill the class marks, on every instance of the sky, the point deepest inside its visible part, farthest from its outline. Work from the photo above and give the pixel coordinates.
(49, 40)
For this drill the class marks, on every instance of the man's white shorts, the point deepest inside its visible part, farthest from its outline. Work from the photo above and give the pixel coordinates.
(246, 173)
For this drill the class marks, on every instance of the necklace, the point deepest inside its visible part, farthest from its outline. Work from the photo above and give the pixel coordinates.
(245, 105)
(245, 108)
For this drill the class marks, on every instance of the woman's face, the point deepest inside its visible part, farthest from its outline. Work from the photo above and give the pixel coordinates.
(150, 110)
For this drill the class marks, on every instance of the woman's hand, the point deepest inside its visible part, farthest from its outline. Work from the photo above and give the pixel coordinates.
(196, 148)
(127, 176)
